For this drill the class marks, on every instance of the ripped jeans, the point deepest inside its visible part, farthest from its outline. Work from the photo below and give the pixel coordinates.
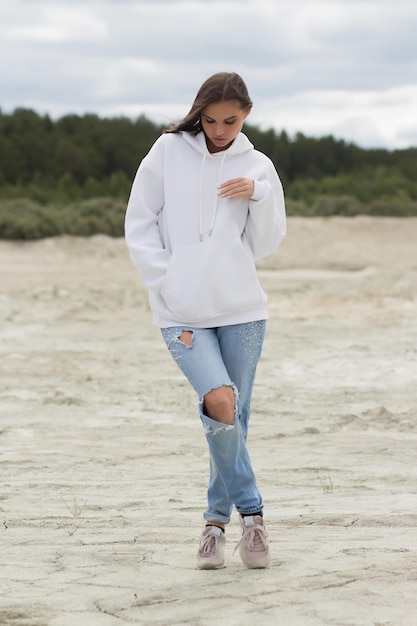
(224, 356)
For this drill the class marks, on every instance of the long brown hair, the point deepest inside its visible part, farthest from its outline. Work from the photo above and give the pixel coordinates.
(220, 87)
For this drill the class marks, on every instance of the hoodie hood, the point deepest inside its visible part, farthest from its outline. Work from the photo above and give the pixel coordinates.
(240, 145)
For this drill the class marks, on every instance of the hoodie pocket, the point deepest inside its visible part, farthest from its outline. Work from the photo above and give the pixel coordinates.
(210, 279)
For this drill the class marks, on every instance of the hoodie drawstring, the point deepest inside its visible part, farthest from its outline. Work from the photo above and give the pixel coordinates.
(200, 197)
(200, 193)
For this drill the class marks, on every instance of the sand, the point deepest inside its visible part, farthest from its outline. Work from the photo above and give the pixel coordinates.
(104, 463)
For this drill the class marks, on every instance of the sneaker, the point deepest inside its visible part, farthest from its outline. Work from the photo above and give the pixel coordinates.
(210, 553)
(253, 547)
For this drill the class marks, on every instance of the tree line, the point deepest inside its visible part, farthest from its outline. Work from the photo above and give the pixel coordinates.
(73, 175)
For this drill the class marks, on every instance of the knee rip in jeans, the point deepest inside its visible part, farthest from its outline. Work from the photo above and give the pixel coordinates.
(220, 425)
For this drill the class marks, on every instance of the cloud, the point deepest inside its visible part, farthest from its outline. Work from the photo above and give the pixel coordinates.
(370, 118)
(343, 67)
(57, 24)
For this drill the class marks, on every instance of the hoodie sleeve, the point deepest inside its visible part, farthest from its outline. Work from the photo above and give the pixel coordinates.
(266, 224)
(142, 233)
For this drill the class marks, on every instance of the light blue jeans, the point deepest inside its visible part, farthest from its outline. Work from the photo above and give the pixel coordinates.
(224, 356)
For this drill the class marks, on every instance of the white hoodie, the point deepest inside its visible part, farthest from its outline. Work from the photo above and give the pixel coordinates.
(194, 250)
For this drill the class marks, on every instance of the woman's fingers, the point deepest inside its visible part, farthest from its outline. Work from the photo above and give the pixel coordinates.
(237, 188)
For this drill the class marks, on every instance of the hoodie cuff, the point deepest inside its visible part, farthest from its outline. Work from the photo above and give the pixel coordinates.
(260, 190)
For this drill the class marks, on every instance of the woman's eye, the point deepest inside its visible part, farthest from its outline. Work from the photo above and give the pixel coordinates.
(227, 122)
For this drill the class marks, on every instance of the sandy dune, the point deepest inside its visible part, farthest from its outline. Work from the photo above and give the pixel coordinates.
(104, 463)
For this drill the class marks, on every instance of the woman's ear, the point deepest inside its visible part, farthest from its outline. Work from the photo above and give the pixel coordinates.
(247, 112)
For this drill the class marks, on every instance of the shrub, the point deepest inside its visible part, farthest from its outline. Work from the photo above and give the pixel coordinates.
(21, 218)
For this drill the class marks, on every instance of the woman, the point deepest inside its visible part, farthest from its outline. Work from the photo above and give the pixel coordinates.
(204, 205)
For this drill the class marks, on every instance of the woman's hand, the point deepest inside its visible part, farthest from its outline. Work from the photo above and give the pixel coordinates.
(237, 188)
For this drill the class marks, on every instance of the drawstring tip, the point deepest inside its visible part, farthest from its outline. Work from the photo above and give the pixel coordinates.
(210, 231)
(201, 237)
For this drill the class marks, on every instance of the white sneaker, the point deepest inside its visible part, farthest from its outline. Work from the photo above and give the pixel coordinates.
(210, 553)
(253, 547)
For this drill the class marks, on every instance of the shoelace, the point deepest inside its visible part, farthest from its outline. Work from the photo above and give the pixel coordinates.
(208, 545)
(254, 537)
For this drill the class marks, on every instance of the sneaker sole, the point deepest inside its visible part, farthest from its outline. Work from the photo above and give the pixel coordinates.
(208, 566)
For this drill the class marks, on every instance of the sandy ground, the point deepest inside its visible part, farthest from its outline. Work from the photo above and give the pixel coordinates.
(104, 463)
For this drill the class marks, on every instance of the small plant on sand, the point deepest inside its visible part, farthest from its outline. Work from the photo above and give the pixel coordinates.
(326, 483)
(76, 510)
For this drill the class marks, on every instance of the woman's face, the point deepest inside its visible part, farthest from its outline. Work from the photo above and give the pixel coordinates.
(222, 122)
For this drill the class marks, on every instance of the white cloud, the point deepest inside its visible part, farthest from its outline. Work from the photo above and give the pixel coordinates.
(370, 118)
(343, 67)
(56, 24)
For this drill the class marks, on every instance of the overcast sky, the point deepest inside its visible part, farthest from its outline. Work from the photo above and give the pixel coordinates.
(341, 67)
